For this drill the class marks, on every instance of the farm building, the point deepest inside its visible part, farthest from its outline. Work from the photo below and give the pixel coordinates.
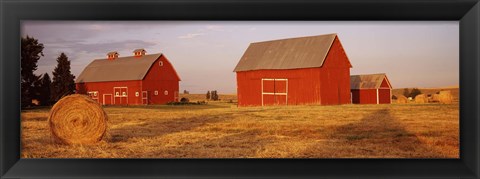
(371, 89)
(294, 71)
(131, 80)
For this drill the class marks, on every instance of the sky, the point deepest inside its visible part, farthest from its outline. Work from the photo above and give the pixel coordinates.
(204, 53)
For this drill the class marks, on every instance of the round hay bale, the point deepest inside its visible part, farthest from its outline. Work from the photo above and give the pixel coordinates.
(435, 98)
(77, 119)
(421, 98)
(402, 99)
(445, 97)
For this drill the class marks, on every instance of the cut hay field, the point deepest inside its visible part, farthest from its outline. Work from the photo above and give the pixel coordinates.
(221, 130)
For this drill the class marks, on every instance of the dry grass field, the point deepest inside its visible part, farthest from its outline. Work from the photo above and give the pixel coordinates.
(221, 130)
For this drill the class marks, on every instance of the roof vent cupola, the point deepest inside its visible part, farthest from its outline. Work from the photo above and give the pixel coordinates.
(112, 55)
(139, 52)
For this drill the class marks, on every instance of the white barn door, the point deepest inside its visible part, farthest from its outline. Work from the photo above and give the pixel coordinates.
(274, 91)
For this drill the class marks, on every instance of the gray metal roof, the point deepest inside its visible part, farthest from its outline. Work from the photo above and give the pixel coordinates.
(119, 69)
(367, 81)
(292, 53)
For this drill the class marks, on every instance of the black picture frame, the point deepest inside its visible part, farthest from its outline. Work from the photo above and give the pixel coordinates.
(12, 12)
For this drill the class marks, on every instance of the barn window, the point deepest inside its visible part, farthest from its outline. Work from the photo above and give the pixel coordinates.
(160, 63)
(137, 94)
(93, 94)
(117, 94)
(166, 92)
(124, 93)
(156, 93)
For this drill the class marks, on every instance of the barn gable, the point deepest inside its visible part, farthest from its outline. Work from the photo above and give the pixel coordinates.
(385, 84)
(162, 68)
(336, 57)
(293, 53)
(120, 69)
(369, 81)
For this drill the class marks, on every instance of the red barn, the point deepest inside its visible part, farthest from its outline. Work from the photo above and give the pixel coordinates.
(371, 89)
(295, 71)
(132, 80)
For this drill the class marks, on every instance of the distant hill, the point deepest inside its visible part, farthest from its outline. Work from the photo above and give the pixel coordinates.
(443, 87)
(453, 86)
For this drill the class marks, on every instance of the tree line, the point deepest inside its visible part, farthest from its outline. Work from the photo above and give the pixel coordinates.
(412, 94)
(212, 95)
(407, 93)
(41, 87)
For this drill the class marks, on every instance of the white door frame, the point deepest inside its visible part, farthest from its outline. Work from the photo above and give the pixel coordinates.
(120, 95)
(111, 98)
(276, 94)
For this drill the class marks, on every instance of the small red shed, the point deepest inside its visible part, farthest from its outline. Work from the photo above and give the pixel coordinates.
(371, 89)
(131, 80)
(294, 71)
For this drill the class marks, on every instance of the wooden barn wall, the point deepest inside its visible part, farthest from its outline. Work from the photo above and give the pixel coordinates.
(335, 76)
(161, 79)
(364, 96)
(107, 88)
(384, 93)
(303, 86)
(384, 96)
(384, 84)
(329, 84)
(355, 96)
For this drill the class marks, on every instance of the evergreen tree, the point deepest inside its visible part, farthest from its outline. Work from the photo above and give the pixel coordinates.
(214, 95)
(31, 51)
(208, 95)
(394, 97)
(415, 92)
(36, 87)
(406, 92)
(44, 91)
(63, 80)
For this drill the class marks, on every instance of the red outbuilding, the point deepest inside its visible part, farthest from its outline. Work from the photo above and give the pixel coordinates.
(294, 71)
(132, 80)
(371, 89)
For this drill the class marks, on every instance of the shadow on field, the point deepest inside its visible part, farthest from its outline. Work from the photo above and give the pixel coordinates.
(377, 135)
(240, 145)
(154, 129)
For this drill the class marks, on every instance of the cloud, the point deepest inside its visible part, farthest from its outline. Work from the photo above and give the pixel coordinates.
(110, 46)
(203, 31)
(77, 50)
(190, 35)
